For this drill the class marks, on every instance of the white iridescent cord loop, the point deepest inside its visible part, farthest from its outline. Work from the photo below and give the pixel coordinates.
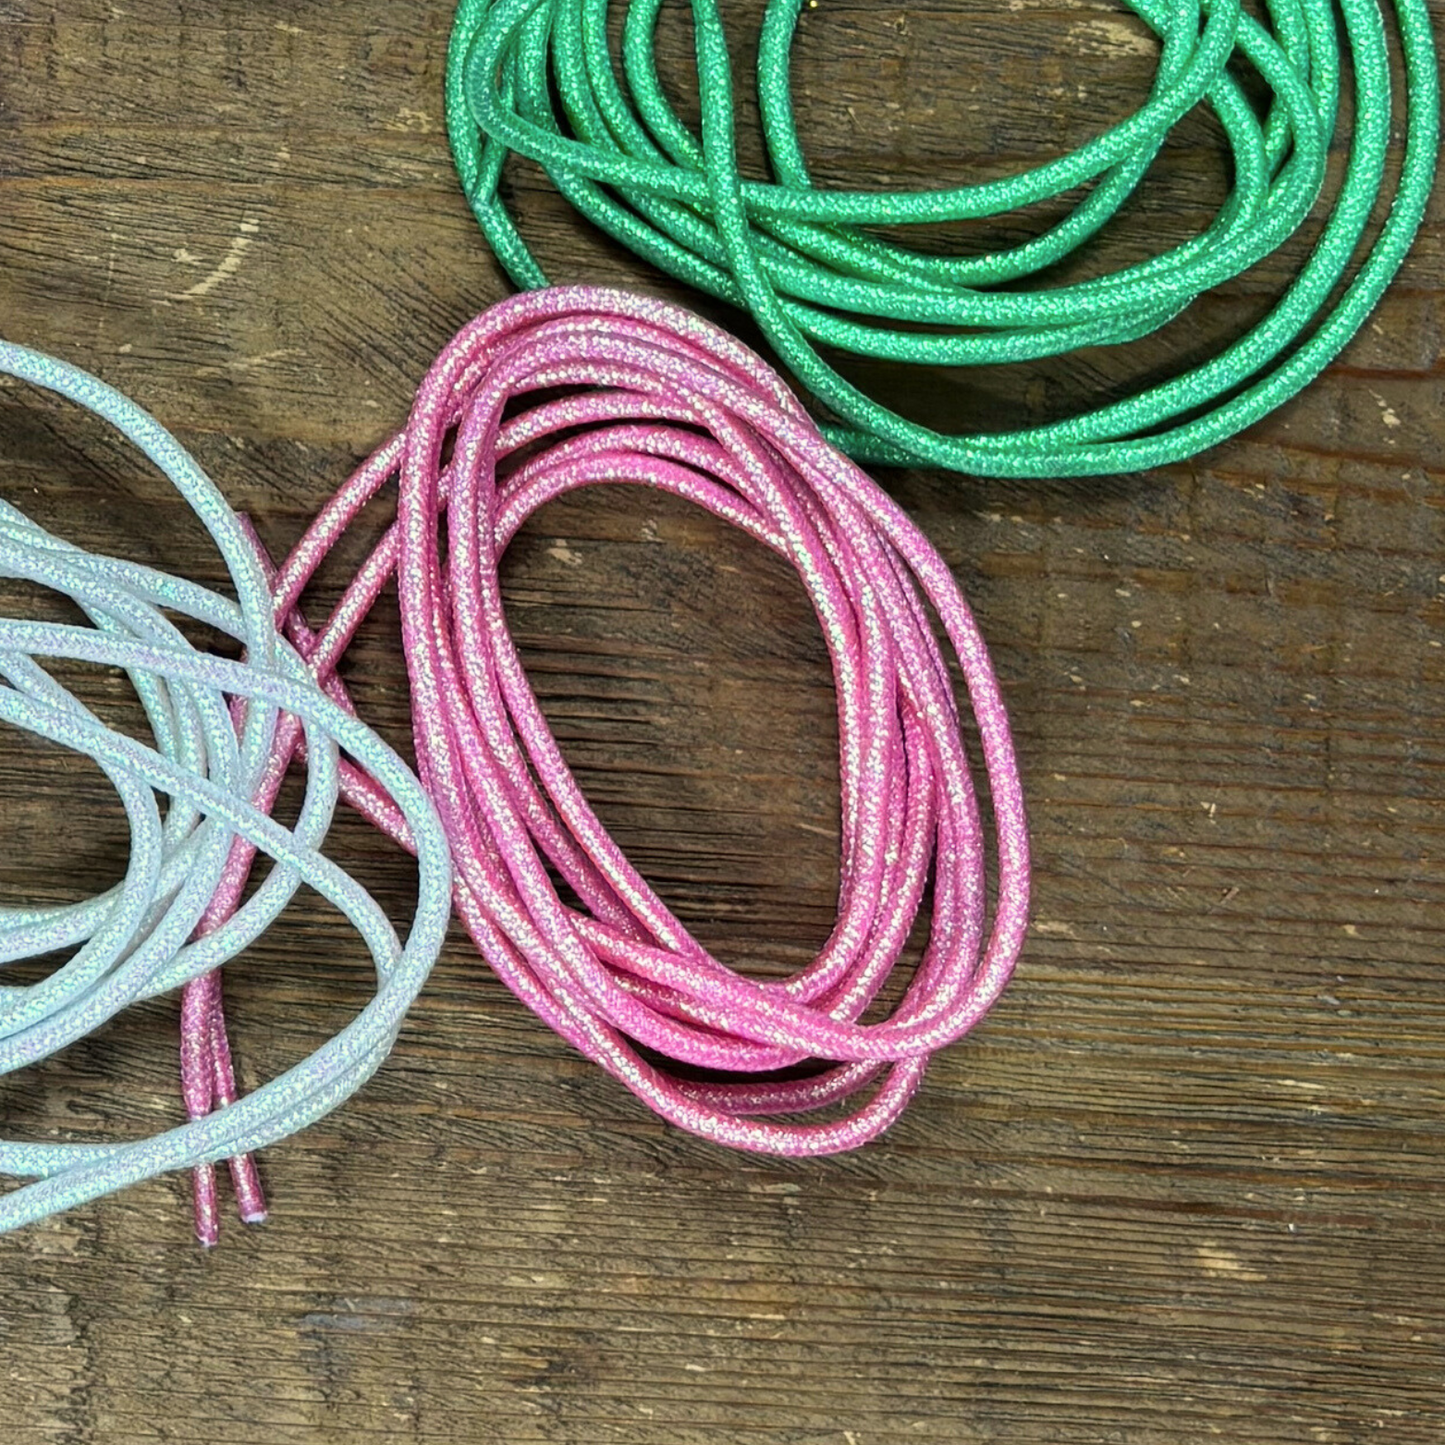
(213, 721)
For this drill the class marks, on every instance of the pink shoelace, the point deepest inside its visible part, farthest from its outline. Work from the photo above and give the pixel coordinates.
(637, 391)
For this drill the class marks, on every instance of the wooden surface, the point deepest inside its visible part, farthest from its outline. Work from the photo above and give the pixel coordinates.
(1183, 1185)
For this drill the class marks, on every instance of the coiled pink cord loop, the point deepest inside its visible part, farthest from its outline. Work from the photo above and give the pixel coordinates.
(633, 390)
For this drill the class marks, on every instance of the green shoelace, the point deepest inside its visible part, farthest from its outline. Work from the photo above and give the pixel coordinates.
(803, 262)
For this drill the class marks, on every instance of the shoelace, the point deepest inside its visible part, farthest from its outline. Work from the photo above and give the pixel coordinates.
(537, 77)
(654, 396)
(174, 918)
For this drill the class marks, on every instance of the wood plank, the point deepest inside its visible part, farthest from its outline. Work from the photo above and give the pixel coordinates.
(1182, 1184)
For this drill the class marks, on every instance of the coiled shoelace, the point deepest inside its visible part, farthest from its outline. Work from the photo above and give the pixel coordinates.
(657, 397)
(173, 919)
(537, 77)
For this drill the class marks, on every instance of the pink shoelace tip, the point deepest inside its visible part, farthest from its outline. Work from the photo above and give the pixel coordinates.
(631, 390)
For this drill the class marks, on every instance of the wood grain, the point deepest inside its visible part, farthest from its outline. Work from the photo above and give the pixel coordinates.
(1183, 1185)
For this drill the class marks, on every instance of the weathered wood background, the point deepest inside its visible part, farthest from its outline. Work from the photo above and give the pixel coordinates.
(1185, 1182)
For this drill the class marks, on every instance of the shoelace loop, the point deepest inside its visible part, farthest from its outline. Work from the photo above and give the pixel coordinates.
(174, 919)
(653, 396)
(537, 77)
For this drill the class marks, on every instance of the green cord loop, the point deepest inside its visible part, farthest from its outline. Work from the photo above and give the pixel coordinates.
(801, 260)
